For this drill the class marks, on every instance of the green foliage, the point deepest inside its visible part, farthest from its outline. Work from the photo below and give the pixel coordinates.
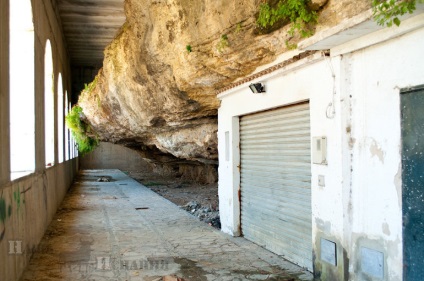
(238, 28)
(188, 48)
(2, 210)
(80, 131)
(266, 15)
(290, 46)
(89, 91)
(223, 43)
(387, 12)
(296, 12)
(90, 87)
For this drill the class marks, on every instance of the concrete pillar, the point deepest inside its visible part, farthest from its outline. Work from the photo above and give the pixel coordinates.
(39, 50)
(55, 104)
(4, 93)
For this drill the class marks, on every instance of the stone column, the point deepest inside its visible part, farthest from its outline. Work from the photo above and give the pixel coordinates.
(4, 94)
(39, 67)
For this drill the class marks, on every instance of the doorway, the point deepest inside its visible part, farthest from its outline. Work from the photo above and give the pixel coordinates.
(412, 130)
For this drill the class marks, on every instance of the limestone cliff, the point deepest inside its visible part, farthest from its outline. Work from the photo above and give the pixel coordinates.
(157, 90)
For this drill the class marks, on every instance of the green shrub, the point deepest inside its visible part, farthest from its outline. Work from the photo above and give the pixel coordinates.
(296, 12)
(80, 130)
(188, 48)
(387, 12)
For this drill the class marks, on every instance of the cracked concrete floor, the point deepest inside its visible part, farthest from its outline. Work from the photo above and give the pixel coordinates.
(121, 230)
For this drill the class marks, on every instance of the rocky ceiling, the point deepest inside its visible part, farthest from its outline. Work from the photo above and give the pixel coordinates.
(156, 91)
(89, 26)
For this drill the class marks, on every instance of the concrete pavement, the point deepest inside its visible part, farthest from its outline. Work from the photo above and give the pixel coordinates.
(121, 230)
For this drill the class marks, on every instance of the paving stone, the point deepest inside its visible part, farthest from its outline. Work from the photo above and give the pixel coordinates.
(122, 230)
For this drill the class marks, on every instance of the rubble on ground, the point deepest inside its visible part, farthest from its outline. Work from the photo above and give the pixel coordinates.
(103, 179)
(207, 214)
(200, 200)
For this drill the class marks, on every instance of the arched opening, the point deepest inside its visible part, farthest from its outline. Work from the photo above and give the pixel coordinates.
(71, 146)
(60, 120)
(49, 105)
(67, 134)
(22, 108)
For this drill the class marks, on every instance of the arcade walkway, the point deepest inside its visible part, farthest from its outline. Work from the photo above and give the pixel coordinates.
(120, 230)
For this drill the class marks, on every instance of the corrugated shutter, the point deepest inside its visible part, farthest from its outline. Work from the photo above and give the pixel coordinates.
(276, 181)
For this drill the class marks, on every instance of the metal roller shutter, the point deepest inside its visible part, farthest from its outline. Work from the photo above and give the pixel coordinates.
(276, 181)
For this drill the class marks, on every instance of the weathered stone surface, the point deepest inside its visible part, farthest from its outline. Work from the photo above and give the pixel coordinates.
(155, 96)
(317, 4)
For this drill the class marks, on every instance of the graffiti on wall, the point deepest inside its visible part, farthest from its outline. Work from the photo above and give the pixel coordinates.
(5, 213)
(6, 209)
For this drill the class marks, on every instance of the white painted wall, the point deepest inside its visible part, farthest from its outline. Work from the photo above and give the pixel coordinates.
(377, 75)
(313, 82)
(360, 204)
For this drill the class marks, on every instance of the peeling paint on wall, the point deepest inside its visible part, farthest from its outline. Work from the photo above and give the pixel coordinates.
(324, 226)
(351, 142)
(376, 150)
(398, 183)
(385, 228)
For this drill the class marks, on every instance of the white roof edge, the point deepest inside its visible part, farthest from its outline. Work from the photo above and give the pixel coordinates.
(281, 71)
(311, 42)
(353, 28)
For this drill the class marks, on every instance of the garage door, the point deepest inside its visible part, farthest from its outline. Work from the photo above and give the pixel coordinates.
(276, 181)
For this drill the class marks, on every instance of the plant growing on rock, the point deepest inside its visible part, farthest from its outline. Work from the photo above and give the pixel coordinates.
(223, 43)
(296, 12)
(90, 86)
(290, 46)
(239, 28)
(188, 48)
(80, 131)
(387, 12)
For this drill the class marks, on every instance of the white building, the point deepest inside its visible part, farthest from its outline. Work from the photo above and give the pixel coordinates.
(337, 211)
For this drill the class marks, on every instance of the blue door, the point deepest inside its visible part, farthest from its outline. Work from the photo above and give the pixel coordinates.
(412, 127)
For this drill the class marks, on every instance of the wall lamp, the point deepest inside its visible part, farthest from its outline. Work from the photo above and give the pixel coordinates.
(257, 88)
